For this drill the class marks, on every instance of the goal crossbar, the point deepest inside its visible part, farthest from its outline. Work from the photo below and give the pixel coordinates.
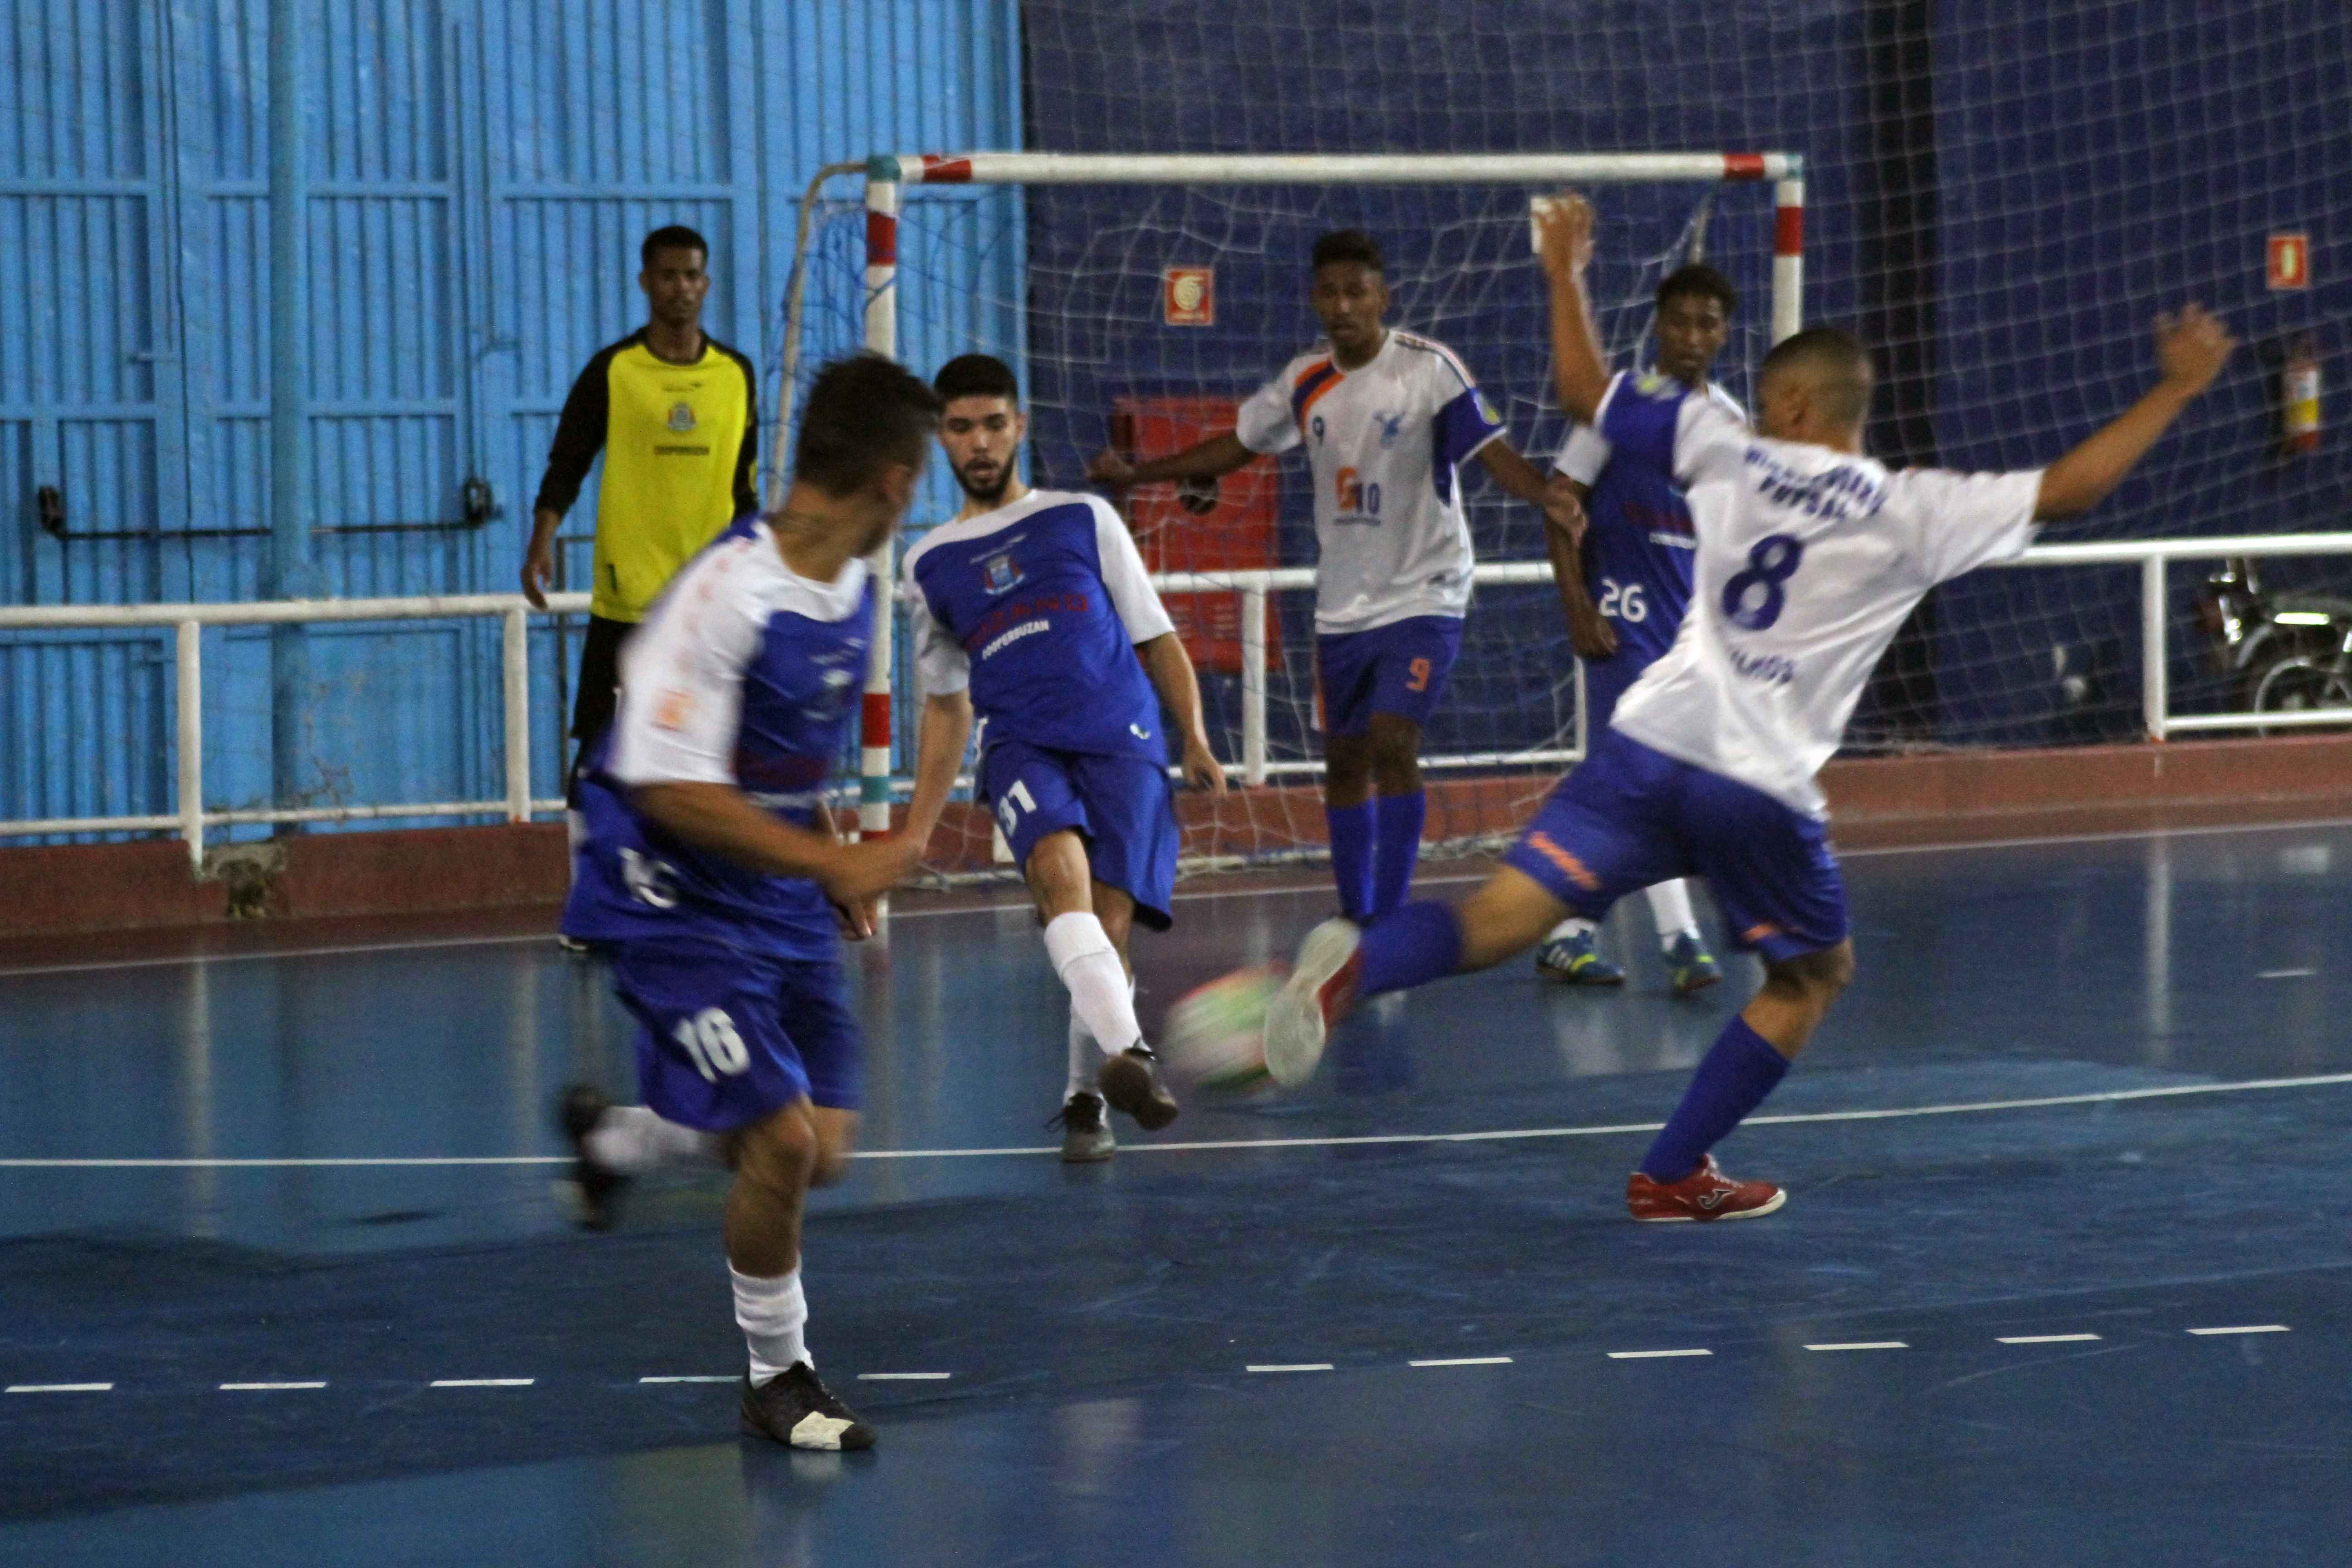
(890, 175)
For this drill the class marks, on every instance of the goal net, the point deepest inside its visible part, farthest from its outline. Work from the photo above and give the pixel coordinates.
(1140, 300)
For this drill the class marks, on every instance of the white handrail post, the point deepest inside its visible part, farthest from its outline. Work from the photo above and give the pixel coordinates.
(188, 678)
(2154, 681)
(1253, 685)
(515, 665)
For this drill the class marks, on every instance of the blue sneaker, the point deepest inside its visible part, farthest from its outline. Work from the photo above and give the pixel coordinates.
(1576, 960)
(1689, 966)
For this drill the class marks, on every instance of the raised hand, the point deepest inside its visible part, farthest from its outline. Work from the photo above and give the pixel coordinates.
(1564, 224)
(2192, 347)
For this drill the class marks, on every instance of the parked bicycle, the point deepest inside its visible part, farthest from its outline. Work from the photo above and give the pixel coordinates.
(2288, 652)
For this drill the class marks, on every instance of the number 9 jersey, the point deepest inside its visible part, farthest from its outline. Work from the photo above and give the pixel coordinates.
(1809, 560)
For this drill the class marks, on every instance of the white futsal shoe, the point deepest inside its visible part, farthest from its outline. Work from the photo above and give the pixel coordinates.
(1320, 991)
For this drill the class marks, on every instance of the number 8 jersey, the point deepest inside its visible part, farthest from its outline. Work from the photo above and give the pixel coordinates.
(1809, 560)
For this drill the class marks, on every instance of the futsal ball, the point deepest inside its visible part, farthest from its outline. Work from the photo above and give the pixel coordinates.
(1216, 1034)
(1198, 497)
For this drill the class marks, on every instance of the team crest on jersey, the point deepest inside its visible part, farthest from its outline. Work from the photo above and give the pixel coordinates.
(1001, 573)
(1486, 409)
(1391, 427)
(681, 417)
(1652, 383)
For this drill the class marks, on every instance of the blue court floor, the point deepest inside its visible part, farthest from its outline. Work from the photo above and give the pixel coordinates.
(285, 1277)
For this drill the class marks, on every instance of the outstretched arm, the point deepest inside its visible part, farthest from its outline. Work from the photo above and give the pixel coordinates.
(1210, 460)
(1578, 367)
(938, 754)
(1171, 669)
(1588, 629)
(2191, 349)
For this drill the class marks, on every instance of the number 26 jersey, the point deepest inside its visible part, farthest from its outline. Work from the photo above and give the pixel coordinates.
(1809, 560)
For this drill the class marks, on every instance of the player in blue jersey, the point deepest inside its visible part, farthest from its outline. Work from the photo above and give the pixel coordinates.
(712, 874)
(1810, 558)
(1032, 608)
(1389, 419)
(1625, 590)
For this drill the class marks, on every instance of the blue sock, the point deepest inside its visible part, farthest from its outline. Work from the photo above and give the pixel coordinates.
(1397, 820)
(1732, 1080)
(1416, 944)
(1351, 856)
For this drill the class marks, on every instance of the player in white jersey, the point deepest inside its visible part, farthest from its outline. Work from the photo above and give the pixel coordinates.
(1388, 419)
(1809, 557)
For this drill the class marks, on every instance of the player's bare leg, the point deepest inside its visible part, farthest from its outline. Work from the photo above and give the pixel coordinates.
(776, 1159)
(1078, 913)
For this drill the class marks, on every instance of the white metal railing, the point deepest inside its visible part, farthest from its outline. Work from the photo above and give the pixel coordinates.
(190, 820)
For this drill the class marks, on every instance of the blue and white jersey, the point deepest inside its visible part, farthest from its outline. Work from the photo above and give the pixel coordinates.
(1037, 608)
(1808, 562)
(1386, 441)
(1638, 547)
(743, 673)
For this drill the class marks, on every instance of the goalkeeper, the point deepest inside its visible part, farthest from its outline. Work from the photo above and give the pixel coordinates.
(1388, 419)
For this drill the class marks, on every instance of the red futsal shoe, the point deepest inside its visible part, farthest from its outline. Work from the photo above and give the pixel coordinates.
(1706, 1194)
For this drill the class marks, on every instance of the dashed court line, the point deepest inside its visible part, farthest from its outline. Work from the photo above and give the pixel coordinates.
(2286, 973)
(1675, 1353)
(2046, 1338)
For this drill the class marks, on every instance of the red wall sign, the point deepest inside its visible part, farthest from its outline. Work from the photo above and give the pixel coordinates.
(1189, 295)
(2290, 261)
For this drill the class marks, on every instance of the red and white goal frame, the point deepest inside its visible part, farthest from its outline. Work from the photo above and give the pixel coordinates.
(888, 176)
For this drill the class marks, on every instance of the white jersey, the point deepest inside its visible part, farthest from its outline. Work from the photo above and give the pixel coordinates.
(1809, 560)
(1386, 441)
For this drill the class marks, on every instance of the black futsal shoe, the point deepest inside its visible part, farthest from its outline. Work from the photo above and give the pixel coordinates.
(796, 1410)
(1130, 1081)
(583, 1105)
(1085, 1131)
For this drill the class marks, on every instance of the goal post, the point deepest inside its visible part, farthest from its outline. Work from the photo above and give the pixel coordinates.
(890, 179)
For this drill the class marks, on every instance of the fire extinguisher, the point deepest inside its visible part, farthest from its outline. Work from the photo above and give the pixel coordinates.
(2299, 399)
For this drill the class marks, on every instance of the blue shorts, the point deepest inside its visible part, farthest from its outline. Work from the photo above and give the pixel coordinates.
(1397, 669)
(1630, 817)
(1123, 806)
(726, 1038)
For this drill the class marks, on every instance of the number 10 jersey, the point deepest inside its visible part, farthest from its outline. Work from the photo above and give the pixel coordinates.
(1809, 560)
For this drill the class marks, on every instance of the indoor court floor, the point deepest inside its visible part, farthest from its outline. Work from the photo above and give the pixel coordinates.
(285, 1277)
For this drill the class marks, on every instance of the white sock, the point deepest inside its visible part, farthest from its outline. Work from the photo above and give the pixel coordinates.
(772, 1314)
(1099, 992)
(1575, 925)
(1085, 1059)
(1670, 902)
(632, 1140)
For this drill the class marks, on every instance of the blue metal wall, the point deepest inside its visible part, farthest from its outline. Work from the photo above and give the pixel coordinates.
(480, 173)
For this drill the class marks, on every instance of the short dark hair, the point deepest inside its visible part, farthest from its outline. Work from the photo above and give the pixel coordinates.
(1837, 361)
(863, 414)
(1348, 245)
(976, 375)
(671, 236)
(1698, 279)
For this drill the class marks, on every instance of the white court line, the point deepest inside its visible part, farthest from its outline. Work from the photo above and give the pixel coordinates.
(2247, 1329)
(265, 1387)
(904, 1376)
(1464, 1360)
(1954, 847)
(1658, 1355)
(1960, 1108)
(2286, 973)
(481, 1382)
(1864, 1345)
(2045, 1339)
(1294, 1366)
(60, 1388)
(729, 1377)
